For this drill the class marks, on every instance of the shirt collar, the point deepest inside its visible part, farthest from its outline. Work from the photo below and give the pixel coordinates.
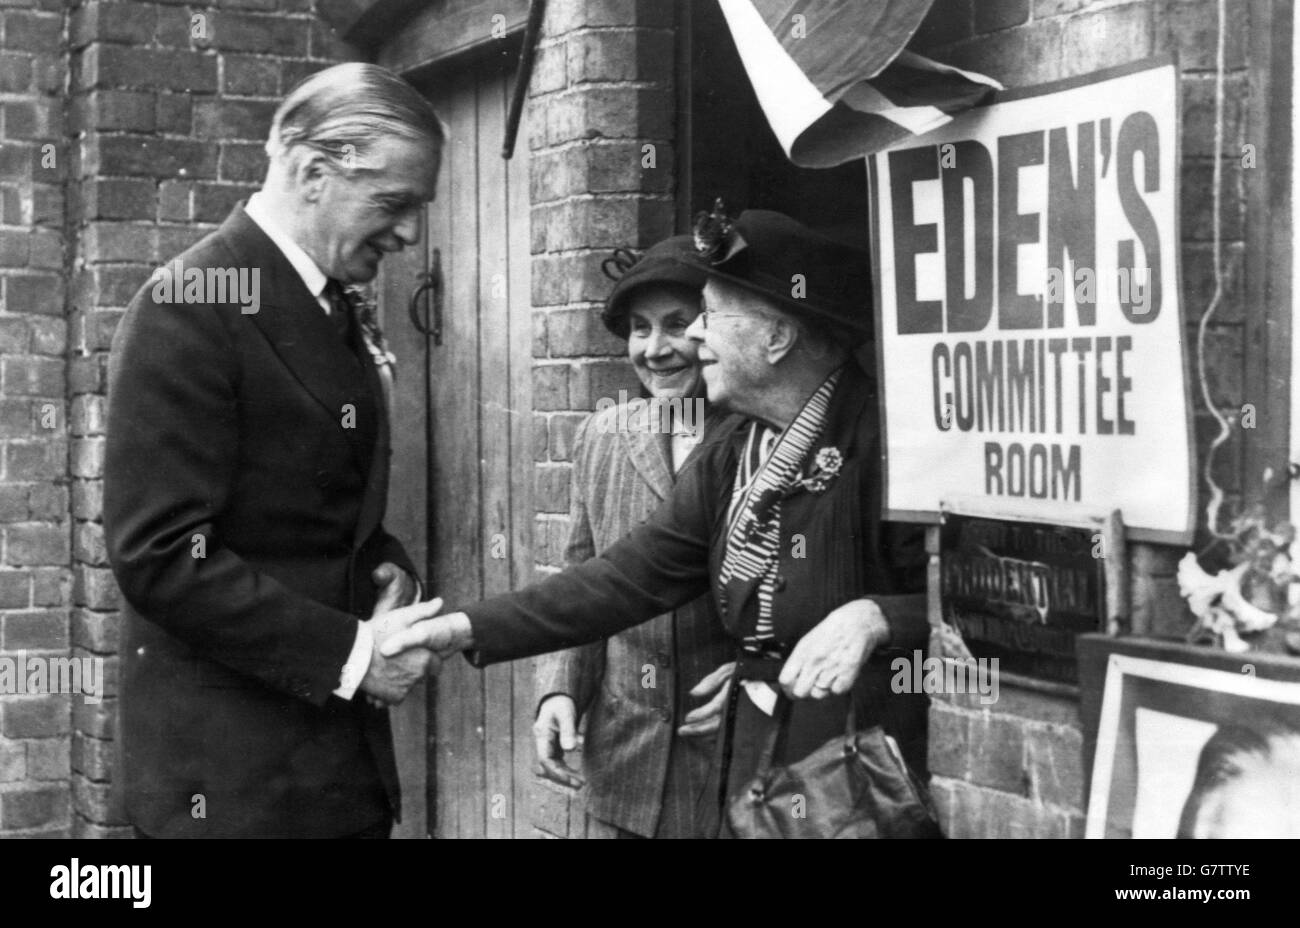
(315, 279)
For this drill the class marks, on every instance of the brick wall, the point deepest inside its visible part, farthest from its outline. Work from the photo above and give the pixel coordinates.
(155, 115)
(1015, 769)
(35, 537)
(1011, 770)
(602, 92)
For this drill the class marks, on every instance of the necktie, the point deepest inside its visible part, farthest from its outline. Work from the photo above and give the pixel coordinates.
(340, 310)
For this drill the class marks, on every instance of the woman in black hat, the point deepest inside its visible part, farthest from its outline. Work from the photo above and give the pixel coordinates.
(642, 777)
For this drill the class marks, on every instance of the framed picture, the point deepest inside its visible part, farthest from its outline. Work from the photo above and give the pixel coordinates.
(1189, 742)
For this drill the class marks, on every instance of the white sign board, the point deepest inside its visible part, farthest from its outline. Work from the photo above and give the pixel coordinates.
(1032, 352)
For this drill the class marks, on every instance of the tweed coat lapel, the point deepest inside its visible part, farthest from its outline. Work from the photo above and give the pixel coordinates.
(648, 450)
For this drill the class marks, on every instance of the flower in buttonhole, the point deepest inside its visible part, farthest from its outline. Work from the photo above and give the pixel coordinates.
(367, 312)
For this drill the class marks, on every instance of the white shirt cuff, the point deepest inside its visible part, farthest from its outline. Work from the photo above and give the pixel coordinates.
(354, 671)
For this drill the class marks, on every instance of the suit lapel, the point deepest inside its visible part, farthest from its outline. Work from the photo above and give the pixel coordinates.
(300, 333)
(375, 497)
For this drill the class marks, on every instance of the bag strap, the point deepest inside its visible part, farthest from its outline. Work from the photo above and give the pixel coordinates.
(780, 719)
(738, 681)
(751, 664)
(728, 737)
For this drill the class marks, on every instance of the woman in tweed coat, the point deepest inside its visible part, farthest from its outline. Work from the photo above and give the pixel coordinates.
(650, 694)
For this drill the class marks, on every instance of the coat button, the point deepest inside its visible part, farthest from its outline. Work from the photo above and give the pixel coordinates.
(779, 585)
(665, 659)
(666, 715)
(323, 479)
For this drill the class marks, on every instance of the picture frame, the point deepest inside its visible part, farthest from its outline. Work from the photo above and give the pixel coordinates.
(1188, 741)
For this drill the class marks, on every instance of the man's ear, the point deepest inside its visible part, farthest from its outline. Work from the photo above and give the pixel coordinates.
(782, 336)
(310, 175)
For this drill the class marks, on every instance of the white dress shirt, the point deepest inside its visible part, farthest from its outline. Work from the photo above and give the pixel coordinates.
(311, 275)
(354, 671)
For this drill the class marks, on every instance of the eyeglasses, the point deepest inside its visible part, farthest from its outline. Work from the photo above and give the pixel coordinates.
(713, 314)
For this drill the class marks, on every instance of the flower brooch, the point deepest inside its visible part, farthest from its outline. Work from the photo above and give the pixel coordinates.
(826, 467)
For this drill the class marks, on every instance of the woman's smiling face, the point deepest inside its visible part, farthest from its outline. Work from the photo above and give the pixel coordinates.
(664, 358)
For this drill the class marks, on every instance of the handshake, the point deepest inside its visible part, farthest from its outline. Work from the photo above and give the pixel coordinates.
(410, 641)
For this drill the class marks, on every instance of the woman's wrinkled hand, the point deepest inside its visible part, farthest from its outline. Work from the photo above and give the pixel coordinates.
(827, 660)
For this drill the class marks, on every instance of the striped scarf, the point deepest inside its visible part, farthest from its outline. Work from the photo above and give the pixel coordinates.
(762, 481)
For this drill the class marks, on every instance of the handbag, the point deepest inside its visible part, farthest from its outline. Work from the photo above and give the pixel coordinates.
(853, 786)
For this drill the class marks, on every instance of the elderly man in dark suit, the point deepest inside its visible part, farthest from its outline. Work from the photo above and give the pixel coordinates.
(245, 484)
(780, 515)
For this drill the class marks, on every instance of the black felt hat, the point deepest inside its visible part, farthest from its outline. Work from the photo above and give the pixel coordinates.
(806, 273)
(672, 261)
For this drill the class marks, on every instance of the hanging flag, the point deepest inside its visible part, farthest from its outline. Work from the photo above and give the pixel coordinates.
(834, 80)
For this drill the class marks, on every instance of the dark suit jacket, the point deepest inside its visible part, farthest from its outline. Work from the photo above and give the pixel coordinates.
(640, 776)
(834, 548)
(242, 520)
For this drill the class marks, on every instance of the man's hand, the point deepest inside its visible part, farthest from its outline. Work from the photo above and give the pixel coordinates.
(828, 659)
(554, 733)
(705, 719)
(392, 675)
(397, 588)
(444, 636)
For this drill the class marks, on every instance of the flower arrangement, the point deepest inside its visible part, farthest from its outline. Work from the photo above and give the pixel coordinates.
(1249, 597)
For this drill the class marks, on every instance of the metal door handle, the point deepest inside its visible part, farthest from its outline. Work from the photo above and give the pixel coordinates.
(431, 280)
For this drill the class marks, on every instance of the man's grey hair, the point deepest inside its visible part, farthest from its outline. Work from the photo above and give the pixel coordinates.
(342, 111)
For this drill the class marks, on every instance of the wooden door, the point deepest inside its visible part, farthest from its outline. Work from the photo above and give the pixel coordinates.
(465, 751)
